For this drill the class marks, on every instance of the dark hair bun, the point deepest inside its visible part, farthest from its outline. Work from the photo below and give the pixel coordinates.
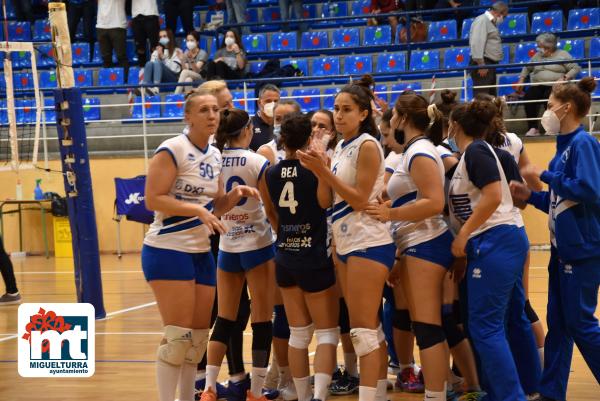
(587, 84)
(448, 96)
(482, 110)
(366, 80)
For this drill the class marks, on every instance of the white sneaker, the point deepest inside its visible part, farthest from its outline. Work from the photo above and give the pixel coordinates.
(287, 392)
(533, 132)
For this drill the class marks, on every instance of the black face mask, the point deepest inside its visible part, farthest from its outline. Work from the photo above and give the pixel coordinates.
(399, 136)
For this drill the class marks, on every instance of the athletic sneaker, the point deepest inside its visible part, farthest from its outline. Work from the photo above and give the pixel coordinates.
(393, 368)
(451, 395)
(534, 397)
(473, 396)
(345, 385)
(270, 394)
(533, 132)
(250, 397)
(409, 382)
(208, 395)
(222, 391)
(337, 375)
(287, 391)
(10, 299)
(237, 391)
(272, 379)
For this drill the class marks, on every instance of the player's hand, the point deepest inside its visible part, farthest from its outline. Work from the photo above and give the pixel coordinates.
(244, 191)
(211, 221)
(312, 160)
(458, 269)
(531, 171)
(519, 191)
(482, 72)
(459, 244)
(379, 211)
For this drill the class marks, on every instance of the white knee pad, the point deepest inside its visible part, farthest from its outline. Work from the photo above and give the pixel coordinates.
(380, 334)
(328, 336)
(179, 341)
(364, 341)
(300, 336)
(199, 342)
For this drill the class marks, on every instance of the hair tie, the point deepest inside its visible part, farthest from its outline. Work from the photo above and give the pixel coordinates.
(432, 112)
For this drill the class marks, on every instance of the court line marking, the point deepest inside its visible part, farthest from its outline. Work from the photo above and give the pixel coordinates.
(12, 337)
(118, 312)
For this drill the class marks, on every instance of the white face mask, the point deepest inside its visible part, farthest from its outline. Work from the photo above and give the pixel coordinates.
(499, 20)
(269, 109)
(190, 44)
(277, 130)
(229, 41)
(551, 122)
(164, 41)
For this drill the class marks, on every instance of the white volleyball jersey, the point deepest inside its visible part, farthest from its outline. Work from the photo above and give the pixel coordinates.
(513, 145)
(247, 226)
(403, 191)
(356, 230)
(464, 196)
(279, 153)
(197, 182)
(391, 162)
(444, 151)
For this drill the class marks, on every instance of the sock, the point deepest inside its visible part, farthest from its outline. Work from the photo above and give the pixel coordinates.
(13, 293)
(167, 376)
(541, 354)
(367, 393)
(416, 368)
(303, 388)
(350, 362)
(212, 372)
(381, 390)
(238, 377)
(201, 374)
(187, 378)
(435, 395)
(284, 375)
(257, 380)
(322, 382)
(405, 366)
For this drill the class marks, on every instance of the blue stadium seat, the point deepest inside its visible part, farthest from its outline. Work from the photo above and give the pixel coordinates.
(524, 52)
(133, 76)
(174, 106)
(240, 103)
(162, 21)
(309, 98)
(152, 106)
(25, 110)
(270, 14)
(49, 110)
(466, 27)
(514, 24)
(377, 35)
(10, 11)
(329, 99)
(309, 11)
(284, 41)
(41, 31)
(324, 66)
(83, 77)
(391, 62)
(333, 9)
(358, 64)
(252, 15)
(18, 31)
(345, 37)
(506, 53)
(255, 43)
(3, 113)
(197, 19)
(575, 47)
(109, 77)
(97, 59)
(91, 111)
(81, 53)
(469, 96)
(256, 66)
(424, 60)
(595, 47)
(583, 18)
(596, 75)
(361, 7)
(456, 57)
(47, 79)
(22, 81)
(21, 60)
(381, 91)
(441, 30)
(548, 21)
(300, 63)
(507, 80)
(314, 40)
(403, 86)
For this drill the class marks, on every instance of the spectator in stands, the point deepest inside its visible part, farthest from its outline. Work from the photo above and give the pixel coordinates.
(284, 7)
(183, 9)
(230, 60)
(236, 13)
(194, 59)
(486, 46)
(145, 27)
(220, 91)
(549, 74)
(83, 11)
(384, 7)
(12, 295)
(165, 62)
(268, 96)
(111, 28)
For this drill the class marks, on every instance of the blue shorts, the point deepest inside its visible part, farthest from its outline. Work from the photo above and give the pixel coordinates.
(167, 264)
(241, 262)
(436, 250)
(384, 254)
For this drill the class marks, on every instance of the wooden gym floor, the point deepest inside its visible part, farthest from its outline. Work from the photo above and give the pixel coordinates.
(126, 341)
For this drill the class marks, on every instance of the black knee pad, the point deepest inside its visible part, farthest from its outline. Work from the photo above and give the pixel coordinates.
(456, 312)
(344, 319)
(401, 320)
(281, 327)
(454, 334)
(262, 336)
(531, 315)
(222, 330)
(428, 335)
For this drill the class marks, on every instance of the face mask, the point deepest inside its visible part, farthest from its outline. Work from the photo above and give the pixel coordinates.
(452, 143)
(277, 130)
(229, 41)
(190, 44)
(269, 107)
(499, 20)
(164, 41)
(551, 122)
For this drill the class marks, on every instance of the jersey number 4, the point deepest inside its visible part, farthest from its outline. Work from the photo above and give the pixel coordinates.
(286, 199)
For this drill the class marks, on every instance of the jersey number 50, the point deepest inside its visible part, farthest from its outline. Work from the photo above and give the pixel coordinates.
(286, 199)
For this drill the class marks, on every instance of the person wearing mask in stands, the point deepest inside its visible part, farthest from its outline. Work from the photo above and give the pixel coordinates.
(230, 60)
(268, 96)
(194, 59)
(165, 62)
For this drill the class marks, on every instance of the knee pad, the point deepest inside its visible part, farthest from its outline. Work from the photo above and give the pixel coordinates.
(428, 335)
(328, 336)
(454, 335)
(364, 341)
(344, 319)
(300, 336)
(178, 342)
(401, 320)
(262, 336)
(281, 327)
(222, 330)
(531, 315)
(199, 342)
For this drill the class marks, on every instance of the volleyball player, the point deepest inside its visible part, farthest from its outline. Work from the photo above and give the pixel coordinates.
(184, 189)
(364, 247)
(323, 131)
(245, 254)
(272, 150)
(305, 272)
(574, 208)
(487, 234)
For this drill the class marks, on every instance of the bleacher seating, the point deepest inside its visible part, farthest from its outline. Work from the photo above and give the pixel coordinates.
(301, 64)
(347, 37)
(514, 24)
(583, 18)
(241, 103)
(309, 98)
(174, 106)
(83, 78)
(442, 30)
(575, 47)
(595, 47)
(314, 40)
(284, 41)
(377, 35)
(391, 62)
(25, 110)
(41, 31)
(507, 80)
(91, 109)
(398, 88)
(548, 21)
(524, 52)
(255, 43)
(358, 64)
(424, 60)
(324, 66)
(151, 105)
(109, 77)
(456, 57)
(329, 99)
(49, 113)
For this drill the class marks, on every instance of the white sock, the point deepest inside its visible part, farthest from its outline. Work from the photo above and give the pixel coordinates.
(187, 378)
(284, 375)
(367, 393)
(381, 393)
(404, 366)
(435, 395)
(238, 377)
(212, 372)
(350, 363)
(303, 388)
(201, 374)
(322, 382)
(541, 354)
(257, 380)
(167, 376)
(416, 368)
